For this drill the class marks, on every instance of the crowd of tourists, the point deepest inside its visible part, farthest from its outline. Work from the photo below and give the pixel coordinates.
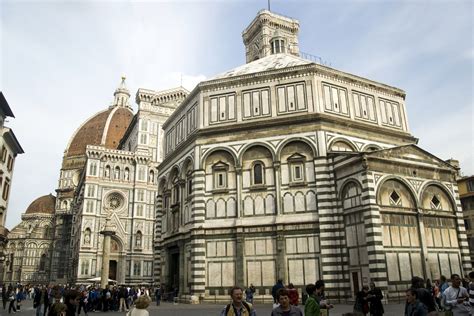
(69, 301)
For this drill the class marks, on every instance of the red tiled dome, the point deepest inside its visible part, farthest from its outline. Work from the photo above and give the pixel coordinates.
(44, 204)
(112, 123)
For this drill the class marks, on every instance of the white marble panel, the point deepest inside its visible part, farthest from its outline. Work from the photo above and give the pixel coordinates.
(454, 238)
(250, 247)
(220, 208)
(434, 265)
(363, 255)
(444, 264)
(284, 173)
(268, 273)
(395, 232)
(254, 273)
(455, 264)
(269, 204)
(248, 206)
(311, 201)
(392, 267)
(260, 247)
(228, 274)
(231, 248)
(246, 178)
(221, 248)
(416, 267)
(445, 238)
(437, 237)
(295, 271)
(288, 203)
(291, 245)
(271, 246)
(404, 259)
(302, 244)
(269, 179)
(300, 202)
(404, 236)
(259, 207)
(311, 271)
(386, 239)
(414, 239)
(210, 209)
(214, 273)
(353, 256)
(231, 211)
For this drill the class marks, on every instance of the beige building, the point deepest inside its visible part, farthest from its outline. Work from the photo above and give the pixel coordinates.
(30, 244)
(10, 148)
(285, 168)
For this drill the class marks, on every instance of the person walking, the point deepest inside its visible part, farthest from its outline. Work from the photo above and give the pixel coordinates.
(40, 300)
(413, 306)
(238, 307)
(375, 297)
(11, 299)
(312, 307)
(141, 305)
(275, 288)
(457, 297)
(158, 295)
(4, 297)
(361, 305)
(293, 294)
(249, 293)
(285, 308)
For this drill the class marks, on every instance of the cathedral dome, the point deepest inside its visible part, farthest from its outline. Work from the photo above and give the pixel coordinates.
(44, 204)
(105, 128)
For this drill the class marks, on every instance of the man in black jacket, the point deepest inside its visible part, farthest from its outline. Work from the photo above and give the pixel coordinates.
(423, 295)
(40, 300)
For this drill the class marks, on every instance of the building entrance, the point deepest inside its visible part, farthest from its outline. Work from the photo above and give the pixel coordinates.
(113, 269)
(174, 268)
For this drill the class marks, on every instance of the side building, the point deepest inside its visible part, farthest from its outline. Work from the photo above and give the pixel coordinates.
(285, 168)
(466, 194)
(10, 148)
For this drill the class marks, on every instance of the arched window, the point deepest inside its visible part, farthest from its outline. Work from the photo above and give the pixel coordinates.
(117, 173)
(219, 171)
(138, 239)
(64, 204)
(126, 174)
(107, 172)
(46, 232)
(278, 45)
(351, 195)
(176, 190)
(151, 177)
(258, 173)
(42, 266)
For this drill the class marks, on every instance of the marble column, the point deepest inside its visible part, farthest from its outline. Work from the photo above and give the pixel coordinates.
(108, 231)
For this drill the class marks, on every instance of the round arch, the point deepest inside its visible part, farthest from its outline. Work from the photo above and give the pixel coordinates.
(342, 140)
(296, 139)
(248, 146)
(346, 182)
(189, 161)
(442, 188)
(403, 182)
(174, 171)
(376, 147)
(213, 150)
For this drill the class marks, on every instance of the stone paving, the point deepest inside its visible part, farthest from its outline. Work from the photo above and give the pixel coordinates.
(169, 309)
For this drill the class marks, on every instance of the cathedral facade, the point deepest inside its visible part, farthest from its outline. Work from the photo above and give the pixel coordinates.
(284, 168)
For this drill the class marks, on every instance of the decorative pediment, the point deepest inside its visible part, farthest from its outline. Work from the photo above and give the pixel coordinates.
(411, 154)
(220, 165)
(296, 157)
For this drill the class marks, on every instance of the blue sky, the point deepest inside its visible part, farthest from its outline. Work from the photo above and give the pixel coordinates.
(60, 62)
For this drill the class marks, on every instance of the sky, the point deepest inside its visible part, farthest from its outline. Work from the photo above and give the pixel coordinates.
(61, 61)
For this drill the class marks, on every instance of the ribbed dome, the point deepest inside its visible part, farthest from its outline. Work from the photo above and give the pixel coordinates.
(106, 128)
(44, 204)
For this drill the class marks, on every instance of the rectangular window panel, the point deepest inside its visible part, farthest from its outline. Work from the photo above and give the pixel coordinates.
(291, 98)
(363, 107)
(256, 103)
(222, 109)
(371, 108)
(356, 105)
(281, 100)
(327, 98)
(392, 267)
(335, 100)
(300, 97)
(247, 112)
(383, 112)
(231, 113)
(254, 273)
(343, 100)
(396, 114)
(214, 110)
(265, 102)
(388, 108)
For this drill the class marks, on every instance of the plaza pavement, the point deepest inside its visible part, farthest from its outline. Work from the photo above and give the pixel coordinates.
(169, 309)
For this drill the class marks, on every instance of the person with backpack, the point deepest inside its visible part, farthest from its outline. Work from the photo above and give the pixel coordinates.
(238, 307)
